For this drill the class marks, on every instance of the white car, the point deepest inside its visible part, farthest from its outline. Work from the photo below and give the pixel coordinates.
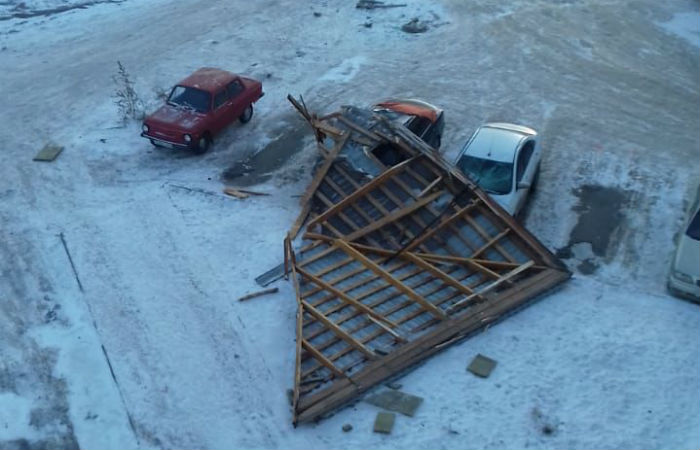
(684, 278)
(504, 160)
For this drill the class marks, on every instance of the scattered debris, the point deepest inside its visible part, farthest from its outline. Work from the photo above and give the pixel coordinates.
(241, 193)
(367, 24)
(246, 191)
(258, 294)
(400, 256)
(317, 14)
(481, 366)
(415, 26)
(398, 401)
(290, 396)
(395, 386)
(270, 276)
(374, 4)
(48, 153)
(384, 422)
(544, 424)
(347, 427)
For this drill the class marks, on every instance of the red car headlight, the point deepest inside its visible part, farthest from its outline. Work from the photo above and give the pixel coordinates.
(145, 128)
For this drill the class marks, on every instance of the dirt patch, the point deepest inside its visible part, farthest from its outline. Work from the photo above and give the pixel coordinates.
(259, 167)
(601, 212)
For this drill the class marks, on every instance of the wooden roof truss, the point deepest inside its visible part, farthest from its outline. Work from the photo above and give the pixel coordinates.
(396, 261)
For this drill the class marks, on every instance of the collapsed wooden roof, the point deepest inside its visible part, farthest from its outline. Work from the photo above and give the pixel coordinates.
(401, 256)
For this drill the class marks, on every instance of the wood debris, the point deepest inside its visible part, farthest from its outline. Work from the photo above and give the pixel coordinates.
(241, 193)
(375, 4)
(258, 294)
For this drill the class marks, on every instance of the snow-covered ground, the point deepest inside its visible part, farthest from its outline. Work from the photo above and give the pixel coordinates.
(142, 344)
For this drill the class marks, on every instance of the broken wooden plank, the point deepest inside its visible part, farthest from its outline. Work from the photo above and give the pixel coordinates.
(491, 286)
(258, 294)
(235, 193)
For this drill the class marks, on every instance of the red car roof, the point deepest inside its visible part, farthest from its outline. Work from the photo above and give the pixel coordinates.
(208, 79)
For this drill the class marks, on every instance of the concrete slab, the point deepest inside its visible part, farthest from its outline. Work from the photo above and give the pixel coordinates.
(48, 153)
(398, 401)
(384, 422)
(481, 366)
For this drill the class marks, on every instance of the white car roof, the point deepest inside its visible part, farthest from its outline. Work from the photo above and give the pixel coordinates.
(496, 142)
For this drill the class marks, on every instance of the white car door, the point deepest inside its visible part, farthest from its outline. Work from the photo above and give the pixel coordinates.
(524, 173)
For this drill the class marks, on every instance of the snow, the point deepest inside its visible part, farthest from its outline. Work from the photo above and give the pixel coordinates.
(609, 360)
(684, 25)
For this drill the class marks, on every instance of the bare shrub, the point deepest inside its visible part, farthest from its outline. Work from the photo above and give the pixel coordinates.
(125, 96)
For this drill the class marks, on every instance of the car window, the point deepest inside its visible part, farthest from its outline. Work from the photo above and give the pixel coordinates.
(493, 176)
(693, 231)
(220, 98)
(190, 98)
(524, 158)
(234, 88)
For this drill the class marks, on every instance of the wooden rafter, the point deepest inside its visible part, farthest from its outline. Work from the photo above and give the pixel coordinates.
(374, 267)
(393, 216)
(338, 331)
(321, 358)
(360, 192)
(343, 296)
(315, 183)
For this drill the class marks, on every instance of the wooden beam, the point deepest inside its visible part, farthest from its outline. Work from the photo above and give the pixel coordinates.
(430, 186)
(393, 216)
(338, 331)
(378, 180)
(350, 124)
(387, 329)
(502, 279)
(437, 272)
(429, 233)
(374, 267)
(321, 358)
(299, 328)
(315, 183)
(485, 236)
(492, 241)
(343, 296)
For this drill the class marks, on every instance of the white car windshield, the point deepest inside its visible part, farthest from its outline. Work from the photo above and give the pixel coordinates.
(493, 176)
(190, 98)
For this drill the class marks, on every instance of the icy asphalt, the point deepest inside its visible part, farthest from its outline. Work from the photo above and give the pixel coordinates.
(151, 350)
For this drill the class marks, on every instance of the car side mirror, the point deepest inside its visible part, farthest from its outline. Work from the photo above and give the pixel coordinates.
(523, 185)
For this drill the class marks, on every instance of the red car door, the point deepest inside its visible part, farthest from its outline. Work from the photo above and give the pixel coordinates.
(239, 102)
(221, 110)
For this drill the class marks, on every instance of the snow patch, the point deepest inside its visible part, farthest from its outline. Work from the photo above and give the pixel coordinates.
(15, 417)
(346, 71)
(684, 25)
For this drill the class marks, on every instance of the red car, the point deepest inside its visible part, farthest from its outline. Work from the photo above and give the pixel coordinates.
(199, 107)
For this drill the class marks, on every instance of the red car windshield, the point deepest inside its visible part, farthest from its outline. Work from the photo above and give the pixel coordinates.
(190, 98)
